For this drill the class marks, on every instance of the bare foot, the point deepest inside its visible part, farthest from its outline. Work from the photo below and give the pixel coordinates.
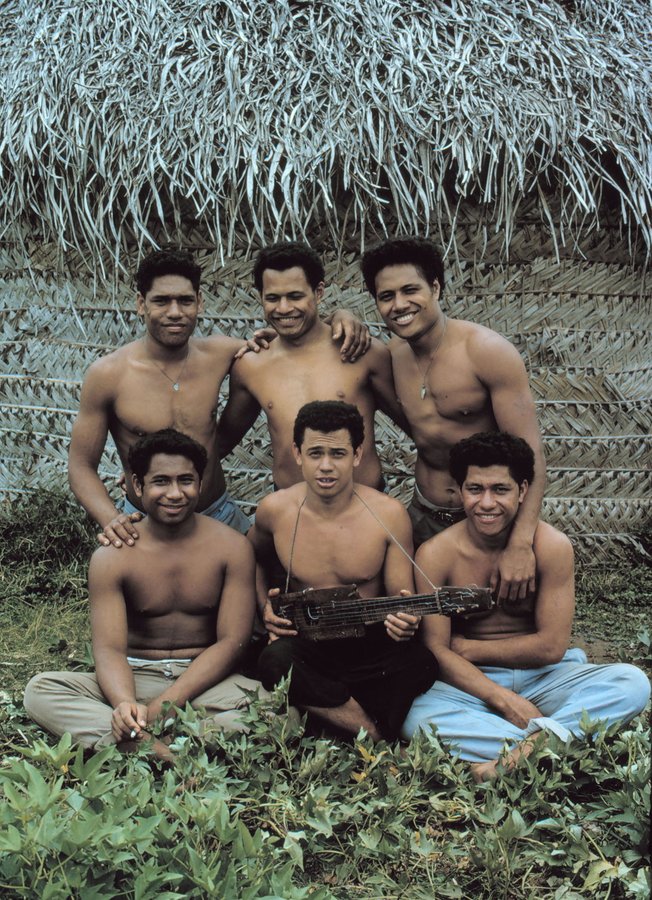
(484, 771)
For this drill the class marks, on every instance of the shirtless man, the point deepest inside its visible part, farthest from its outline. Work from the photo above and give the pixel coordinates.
(508, 675)
(166, 379)
(169, 621)
(328, 532)
(453, 378)
(302, 365)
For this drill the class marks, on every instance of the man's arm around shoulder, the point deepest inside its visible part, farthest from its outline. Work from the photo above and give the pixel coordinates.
(500, 368)
(553, 612)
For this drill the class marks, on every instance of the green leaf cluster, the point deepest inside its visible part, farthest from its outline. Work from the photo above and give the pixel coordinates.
(278, 813)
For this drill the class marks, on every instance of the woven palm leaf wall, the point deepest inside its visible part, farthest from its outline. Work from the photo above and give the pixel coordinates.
(581, 325)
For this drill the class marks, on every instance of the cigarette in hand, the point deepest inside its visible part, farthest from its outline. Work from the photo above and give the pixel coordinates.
(133, 733)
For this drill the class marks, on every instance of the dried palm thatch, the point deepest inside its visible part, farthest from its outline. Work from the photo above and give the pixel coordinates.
(126, 122)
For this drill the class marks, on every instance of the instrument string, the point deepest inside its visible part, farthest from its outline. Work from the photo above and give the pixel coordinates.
(397, 542)
(356, 609)
(294, 538)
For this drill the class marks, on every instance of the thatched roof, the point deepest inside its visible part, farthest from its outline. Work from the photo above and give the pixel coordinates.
(251, 119)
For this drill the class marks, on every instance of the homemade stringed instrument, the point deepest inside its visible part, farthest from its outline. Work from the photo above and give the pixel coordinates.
(340, 612)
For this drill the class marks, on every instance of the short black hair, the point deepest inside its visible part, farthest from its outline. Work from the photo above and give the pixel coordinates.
(327, 416)
(418, 252)
(492, 448)
(286, 255)
(169, 441)
(168, 261)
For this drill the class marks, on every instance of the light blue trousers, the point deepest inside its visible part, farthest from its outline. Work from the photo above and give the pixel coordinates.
(562, 692)
(224, 509)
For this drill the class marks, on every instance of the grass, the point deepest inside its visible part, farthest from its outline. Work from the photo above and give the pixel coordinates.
(280, 814)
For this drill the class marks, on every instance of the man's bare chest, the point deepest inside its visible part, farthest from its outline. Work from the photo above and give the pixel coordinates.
(282, 389)
(327, 556)
(145, 405)
(173, 586)
(447, 391)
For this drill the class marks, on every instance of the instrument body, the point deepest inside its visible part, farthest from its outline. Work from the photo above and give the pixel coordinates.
(340, 612)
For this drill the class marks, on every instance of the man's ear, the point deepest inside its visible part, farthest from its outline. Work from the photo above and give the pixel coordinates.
(523, 489)
(319, 291)
(140, 304)
(297, 453)
(436, 289)
(200, 301)
(138, 488)
(357, 456)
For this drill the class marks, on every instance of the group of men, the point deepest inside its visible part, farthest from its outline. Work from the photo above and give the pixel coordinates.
(174, 597)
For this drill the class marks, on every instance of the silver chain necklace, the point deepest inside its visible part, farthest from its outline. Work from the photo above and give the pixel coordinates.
(175, 382)
(424, 375)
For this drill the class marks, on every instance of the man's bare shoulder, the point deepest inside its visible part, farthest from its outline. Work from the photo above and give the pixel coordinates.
(220, 345)
(447, 542)
(552, 548)
(485, 345)
(109, 563)
(382, 504)
(378, 356)
(112, 364)
(276, 504)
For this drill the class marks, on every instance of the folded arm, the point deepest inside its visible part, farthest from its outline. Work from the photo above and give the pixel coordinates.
(398, 574)
(262, 539)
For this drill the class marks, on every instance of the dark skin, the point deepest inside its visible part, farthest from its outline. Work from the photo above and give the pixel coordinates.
(339, 542)
(187, 591)
(303, 365)
(130, 393)
(453, 379)
(537, 636)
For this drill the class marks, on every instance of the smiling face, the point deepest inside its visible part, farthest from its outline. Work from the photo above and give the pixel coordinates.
(289, 303)
(170, 489)
(491, 499)
(327, 460)
(170, 309)
(407, 303)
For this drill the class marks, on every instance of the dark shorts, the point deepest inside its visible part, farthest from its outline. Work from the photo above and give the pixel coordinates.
(383, 675)
(429, 520)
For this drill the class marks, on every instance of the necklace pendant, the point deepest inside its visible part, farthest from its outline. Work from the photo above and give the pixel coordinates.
(423, 392)
(175, 386)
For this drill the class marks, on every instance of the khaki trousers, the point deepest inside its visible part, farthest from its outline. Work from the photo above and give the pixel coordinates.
(73, 701)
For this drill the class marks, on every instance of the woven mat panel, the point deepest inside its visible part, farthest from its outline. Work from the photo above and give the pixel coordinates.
(594, 452)
(104, 328)
(599, 483)
(583, 328)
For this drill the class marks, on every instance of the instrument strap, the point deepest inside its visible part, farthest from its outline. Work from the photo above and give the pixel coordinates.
(294, 538)
(398, 543)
